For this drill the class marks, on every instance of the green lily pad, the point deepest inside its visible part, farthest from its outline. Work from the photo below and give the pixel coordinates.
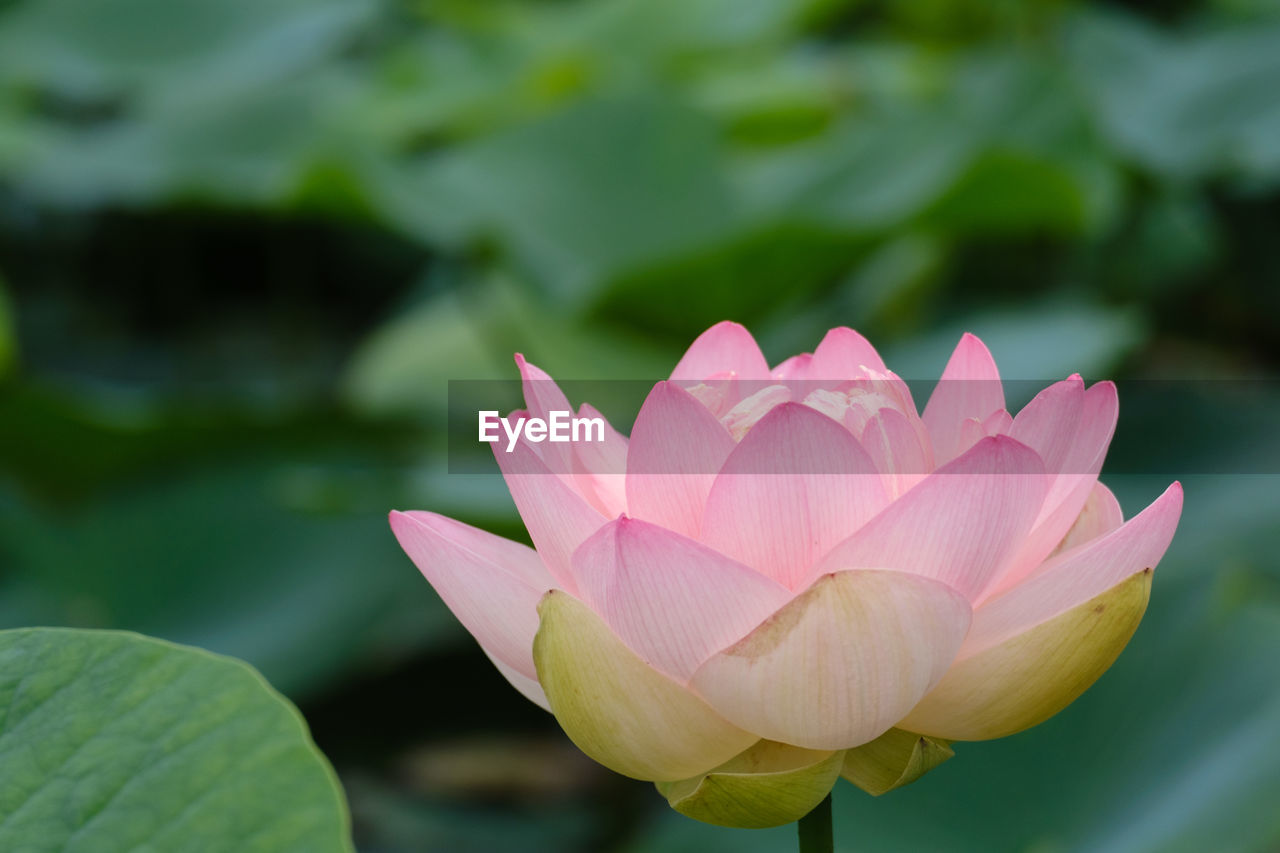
(113, 741)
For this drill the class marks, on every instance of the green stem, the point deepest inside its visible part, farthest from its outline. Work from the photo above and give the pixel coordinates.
(815, 829)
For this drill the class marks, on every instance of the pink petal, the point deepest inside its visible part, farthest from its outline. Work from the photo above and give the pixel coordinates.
(527, 686)
(841, 663)
(844, 354)
(797, 484)
(797, 367)
(557, 517)
(960, 525)
(677, 446)
(1100, 516)
(600, 467)
(672, 601)
(493, 585)
(1075, 576)
(1048, 424)
(971, 431)
(541, 397)
(897, 451)
(998, 423)
(1077, 471)
(970, 388)
(726, 348)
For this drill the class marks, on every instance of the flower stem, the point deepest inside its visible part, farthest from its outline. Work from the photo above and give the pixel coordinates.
(815, 829)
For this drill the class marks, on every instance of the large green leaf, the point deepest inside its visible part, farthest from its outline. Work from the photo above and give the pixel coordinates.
(113, 742)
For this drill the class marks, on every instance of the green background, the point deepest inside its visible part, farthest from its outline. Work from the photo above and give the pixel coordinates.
(245, 244)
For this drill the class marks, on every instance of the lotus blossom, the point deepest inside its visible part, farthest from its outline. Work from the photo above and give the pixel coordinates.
(790, 574)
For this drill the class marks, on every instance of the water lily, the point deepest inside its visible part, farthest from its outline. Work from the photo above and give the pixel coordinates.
(790, 574)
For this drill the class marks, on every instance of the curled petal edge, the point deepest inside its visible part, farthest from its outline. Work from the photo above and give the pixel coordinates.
(770, 784)
(894, 759)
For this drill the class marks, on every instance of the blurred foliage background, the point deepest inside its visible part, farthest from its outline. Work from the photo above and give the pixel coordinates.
(244, 244)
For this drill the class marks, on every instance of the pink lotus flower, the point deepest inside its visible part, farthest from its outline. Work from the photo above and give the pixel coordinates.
(787, 574)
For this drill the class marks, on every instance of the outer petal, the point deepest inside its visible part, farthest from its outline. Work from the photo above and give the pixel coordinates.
(677, 446)
(1028, 678)
(1072, 477)
(970, 388)
(1033, 650)
(618, 709)
(841, 663)
(725, 349)
(1049, 423)
(1075, 576)
(557, 517)
(491, 584)
(961, 525)
(894, 759)
(673, 601)
(768, 785)
(797, 484)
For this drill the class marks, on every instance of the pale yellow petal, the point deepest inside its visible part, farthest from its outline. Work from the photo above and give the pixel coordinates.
(894, 759)
(1031, 676)
(770, 784)
(618, 709)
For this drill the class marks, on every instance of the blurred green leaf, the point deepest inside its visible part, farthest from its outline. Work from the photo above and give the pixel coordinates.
(583, 195)
(1193, 105)
(114, 741)
(1041, 341)
(8, 335)
(285, 556)
(112, 48)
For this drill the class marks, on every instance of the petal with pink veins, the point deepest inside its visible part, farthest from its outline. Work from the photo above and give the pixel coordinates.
(1034, 649)
(557, 517)
(844, 354)
(493, 585)
(1049, 423)
(725, 348)
(673, 601)
(841, 663)
(960, 525)
(1077, 575)
(897, 451)
(600, 467)
(969, 388)
(1078, 470)
(676, 448)
(796, 485)
(542, 396)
